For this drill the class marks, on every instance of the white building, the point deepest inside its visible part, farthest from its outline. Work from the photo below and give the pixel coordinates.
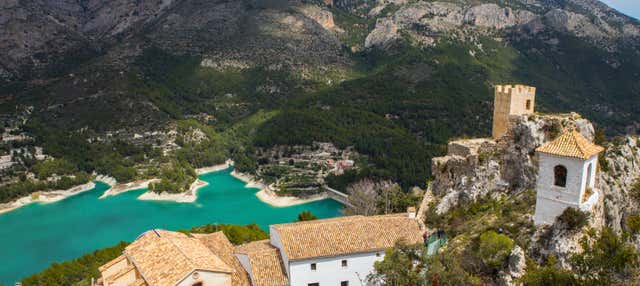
(566, 176)
(339, 251)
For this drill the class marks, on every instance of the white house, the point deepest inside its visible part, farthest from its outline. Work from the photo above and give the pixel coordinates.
(339, 251)
(566, 176)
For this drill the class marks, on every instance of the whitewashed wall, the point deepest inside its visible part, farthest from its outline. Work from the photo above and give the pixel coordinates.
(552, 200)
(329, 271)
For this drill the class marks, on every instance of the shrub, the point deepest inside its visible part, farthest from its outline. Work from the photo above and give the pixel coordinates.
(634, 192)
(633, 223)
(306, 215)
(547, 275)
(573, 218)
(494, 249)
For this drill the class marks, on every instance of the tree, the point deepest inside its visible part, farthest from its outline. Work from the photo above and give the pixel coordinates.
(494, 249)
(550, 274)
(362, 198)
(306, 215)
(402, 265)
(606, 257)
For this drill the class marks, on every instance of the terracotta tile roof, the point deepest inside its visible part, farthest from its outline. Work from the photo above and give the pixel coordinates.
(165, 257)
(218, 243)
(345, 235)
(112, 262)
(571, 144)
(266, 265)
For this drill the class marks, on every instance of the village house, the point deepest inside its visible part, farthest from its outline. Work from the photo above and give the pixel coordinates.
(339, 251)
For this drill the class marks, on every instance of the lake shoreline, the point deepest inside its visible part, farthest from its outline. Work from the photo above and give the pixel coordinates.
(46, 197)
(267, 194)
(189, 196)
(215, 168)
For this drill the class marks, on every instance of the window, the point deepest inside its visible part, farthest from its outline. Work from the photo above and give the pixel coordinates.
(377, 254)
(344, 263)
(560, 175)
(313, 267)
(344, 283)
(197, 284)
(528, 104)
(313, 284)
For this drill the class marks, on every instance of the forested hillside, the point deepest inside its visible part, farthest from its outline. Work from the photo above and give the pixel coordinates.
(123, 88)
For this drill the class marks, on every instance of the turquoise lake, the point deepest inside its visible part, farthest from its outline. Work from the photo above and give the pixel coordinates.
(34, 236)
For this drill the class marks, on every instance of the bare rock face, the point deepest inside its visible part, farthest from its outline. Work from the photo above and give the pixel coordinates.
(323, 17)
(516, 267)
(385, 33)
(617, 179)
(494, 16)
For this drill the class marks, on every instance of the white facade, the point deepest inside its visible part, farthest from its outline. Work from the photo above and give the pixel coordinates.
(328, 270)
(551, 199)
(331, 272)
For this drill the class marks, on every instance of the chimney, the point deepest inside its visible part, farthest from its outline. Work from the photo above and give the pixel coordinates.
(411, 211)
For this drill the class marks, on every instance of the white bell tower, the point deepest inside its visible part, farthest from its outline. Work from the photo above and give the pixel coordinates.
(566, 176)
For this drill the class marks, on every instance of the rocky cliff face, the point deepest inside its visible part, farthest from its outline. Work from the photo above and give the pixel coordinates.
(39, 37)
(474, 168)
(585, 19)
(617, 178)
(477, 167)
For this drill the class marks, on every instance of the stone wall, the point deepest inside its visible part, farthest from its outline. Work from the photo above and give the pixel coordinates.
(511, 100)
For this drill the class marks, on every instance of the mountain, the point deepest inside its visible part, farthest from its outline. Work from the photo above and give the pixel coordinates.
(395, 78)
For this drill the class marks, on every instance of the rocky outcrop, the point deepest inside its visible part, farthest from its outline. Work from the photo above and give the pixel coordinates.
(323, 17)
(385, 33)
(616, 179)
(494, 16)
(515, 268)
(477, 167)
(595, 22)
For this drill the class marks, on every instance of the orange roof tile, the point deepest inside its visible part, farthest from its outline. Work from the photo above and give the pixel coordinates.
(165, 257)
(571, 144)
(345, 235)
(218, 243)
(266, 264)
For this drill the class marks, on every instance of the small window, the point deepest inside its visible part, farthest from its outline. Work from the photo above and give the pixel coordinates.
(197, 284)
(344, 263)
(560, 176)
(377, 254)
(528, 104)
(344, 283)
(313, 284)
(313, 267)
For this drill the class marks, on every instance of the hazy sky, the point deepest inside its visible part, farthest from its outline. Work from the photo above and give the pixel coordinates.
(629, 7)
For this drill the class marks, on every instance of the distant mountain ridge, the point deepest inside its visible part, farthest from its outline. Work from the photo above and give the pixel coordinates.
(419, 72)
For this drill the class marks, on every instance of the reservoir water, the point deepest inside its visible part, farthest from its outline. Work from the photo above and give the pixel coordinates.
(34, 236)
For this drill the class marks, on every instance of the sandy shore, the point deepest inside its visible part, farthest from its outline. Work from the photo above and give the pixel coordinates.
(267, 193)
(249, 180)
(125, 187)
(270, 197)
(189, 196)
(46, 197)
(215, 168)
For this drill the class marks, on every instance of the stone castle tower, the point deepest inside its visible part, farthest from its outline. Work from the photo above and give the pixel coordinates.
(511, 100)
(566, 176)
